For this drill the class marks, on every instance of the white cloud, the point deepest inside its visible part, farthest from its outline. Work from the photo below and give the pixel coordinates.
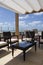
(6, 24)
(30, 25)
(23, 17)
(42, 25)
(1, 24)
(38, 13)
(33, 23)
(23, 25)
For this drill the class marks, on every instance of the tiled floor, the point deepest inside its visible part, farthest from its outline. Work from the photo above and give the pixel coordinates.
(32, 58)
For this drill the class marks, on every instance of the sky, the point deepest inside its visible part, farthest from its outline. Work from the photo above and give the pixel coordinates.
(26, 22)
(7, 19)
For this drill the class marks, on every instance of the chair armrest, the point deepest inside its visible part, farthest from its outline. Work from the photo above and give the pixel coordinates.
(22, 36)
(14, 36)
(39, 38)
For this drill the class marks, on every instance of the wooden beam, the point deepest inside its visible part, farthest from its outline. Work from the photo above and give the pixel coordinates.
(17, 23)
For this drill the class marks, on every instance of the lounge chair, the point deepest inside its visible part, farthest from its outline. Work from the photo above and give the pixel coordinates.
(29, 36)
(41, 39)
(3, 43)
(10, 38)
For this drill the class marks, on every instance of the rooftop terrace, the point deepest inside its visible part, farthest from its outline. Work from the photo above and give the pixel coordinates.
(32, 58)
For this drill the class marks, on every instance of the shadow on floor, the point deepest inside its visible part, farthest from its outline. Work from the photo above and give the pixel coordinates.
(41, 46)
(32, 58)
(4, 53)
(18, 60)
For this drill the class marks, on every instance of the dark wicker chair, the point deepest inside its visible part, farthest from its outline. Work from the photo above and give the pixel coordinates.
(41, 39)
(10, 38)
(29, 36)
(3, 43)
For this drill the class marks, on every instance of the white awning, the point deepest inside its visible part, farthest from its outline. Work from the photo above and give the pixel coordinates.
(22, 6)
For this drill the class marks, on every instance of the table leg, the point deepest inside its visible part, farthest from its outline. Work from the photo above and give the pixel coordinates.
(24, 55)
(12, 51)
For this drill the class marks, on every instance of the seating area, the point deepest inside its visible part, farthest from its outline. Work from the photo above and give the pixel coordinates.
(3, 42)
(7, 39)
(29, 36)
(21, 22)
(32, 57)
(17, 47)
(41, 39)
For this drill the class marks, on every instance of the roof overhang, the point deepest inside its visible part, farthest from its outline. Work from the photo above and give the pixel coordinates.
(23, 6)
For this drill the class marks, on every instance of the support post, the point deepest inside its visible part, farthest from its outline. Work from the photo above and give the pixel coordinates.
(17, 24)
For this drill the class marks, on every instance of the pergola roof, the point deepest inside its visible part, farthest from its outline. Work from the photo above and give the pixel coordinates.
(22, 6)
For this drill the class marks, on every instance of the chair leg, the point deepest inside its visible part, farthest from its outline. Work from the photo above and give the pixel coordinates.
(35, 47)
(8, 47)
(39, 45)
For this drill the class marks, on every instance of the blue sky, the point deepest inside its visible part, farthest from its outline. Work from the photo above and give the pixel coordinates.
(32, 21)
(7, 19)
(26, 22)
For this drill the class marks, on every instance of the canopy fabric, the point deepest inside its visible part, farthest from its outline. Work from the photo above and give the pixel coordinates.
(22, 6)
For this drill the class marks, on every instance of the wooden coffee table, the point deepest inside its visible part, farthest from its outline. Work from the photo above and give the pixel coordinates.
(22, 46)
